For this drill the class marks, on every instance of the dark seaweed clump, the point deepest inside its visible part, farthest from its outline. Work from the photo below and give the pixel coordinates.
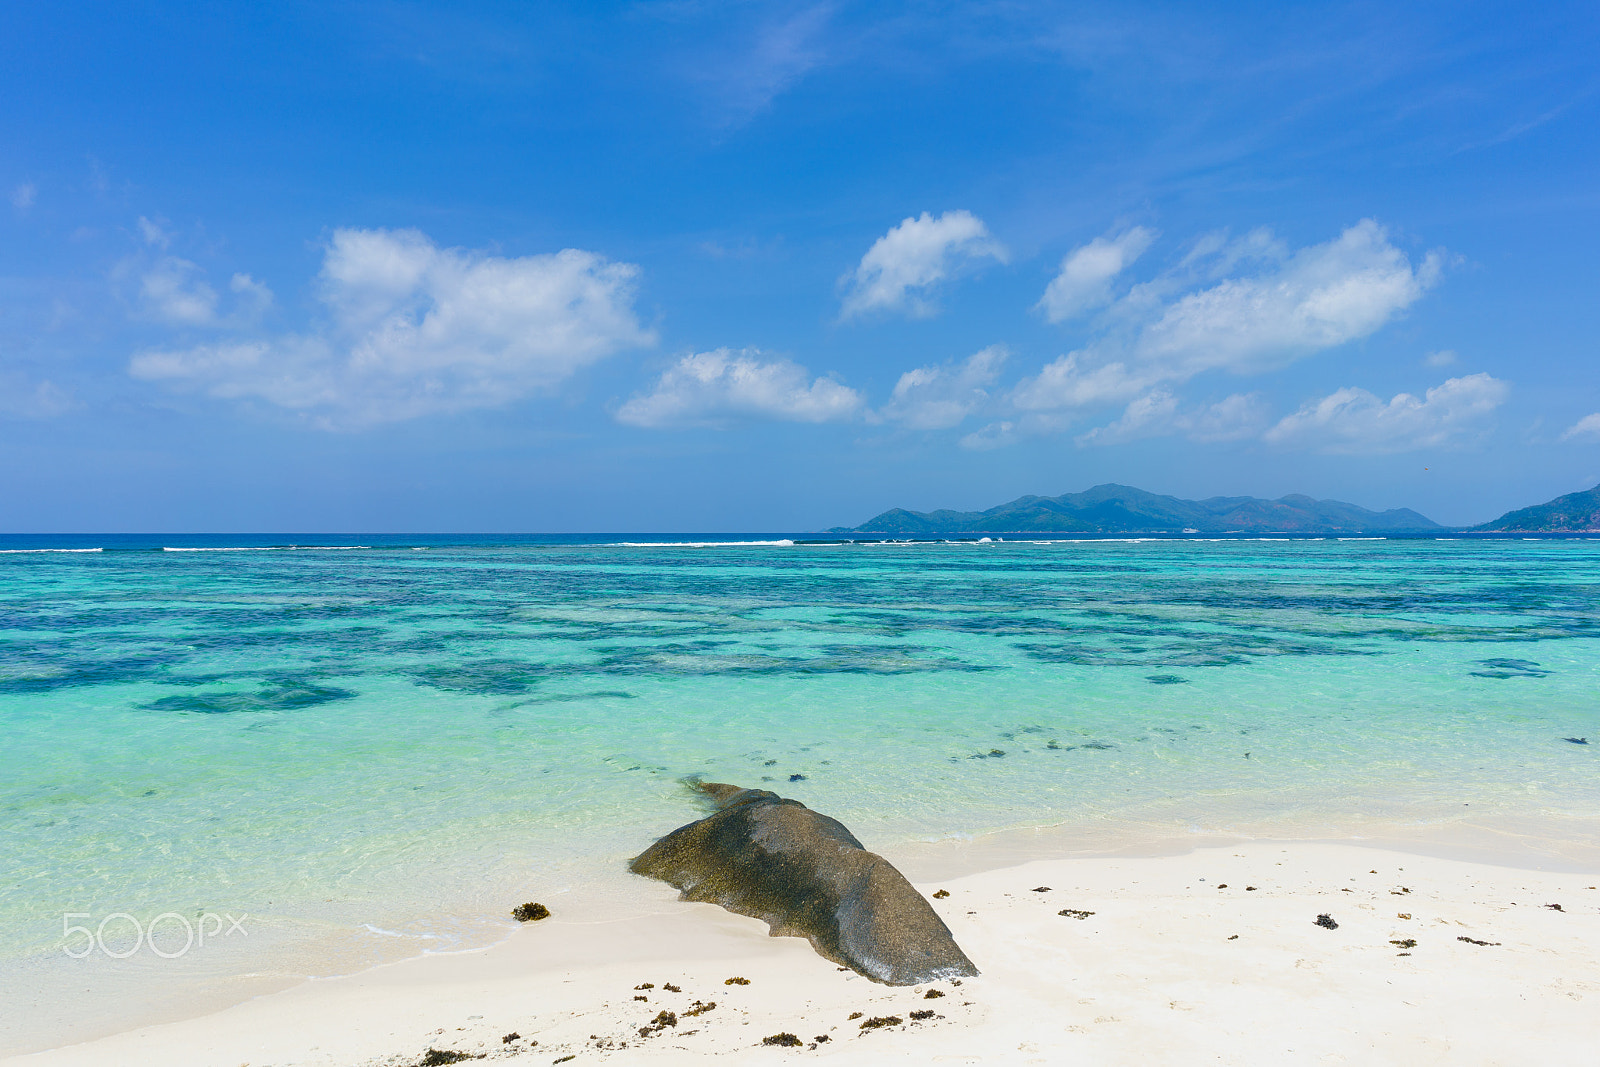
(275, 698)
(662, 1020)
(496, 677)
(434, 1057)
(786, 1040)
(1510, 668)
(531, 912)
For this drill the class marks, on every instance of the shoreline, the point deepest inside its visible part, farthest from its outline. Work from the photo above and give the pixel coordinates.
(577, 960)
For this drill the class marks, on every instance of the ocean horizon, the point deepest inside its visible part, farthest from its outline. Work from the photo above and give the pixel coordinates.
(44, 543)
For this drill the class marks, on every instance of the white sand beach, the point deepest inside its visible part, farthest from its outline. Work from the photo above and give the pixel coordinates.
(1214, 955)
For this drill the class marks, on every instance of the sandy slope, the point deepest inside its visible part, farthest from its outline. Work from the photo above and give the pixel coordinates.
(1178, 962)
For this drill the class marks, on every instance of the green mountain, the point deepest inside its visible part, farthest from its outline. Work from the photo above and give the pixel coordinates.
(1121, 509)
(1573, 513)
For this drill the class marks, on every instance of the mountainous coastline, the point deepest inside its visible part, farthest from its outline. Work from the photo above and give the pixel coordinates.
(1122, 509)
(1573, 513)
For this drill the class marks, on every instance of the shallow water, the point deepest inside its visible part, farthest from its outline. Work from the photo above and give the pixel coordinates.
(377, 750)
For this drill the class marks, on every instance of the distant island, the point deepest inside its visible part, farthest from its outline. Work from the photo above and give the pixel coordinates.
(1122, 509)
(1573, 513)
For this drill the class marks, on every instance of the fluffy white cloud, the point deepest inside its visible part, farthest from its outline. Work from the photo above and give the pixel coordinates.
(415, 329)
(1355, 421)
(994, 435)
(900, 268)
(171, 290)
(939, 397)
(166, 288)
(253, 297)
(1072, 382)
(1232, 418)
(1204, 315)
(1585, 429)
(1084, 282)
(1322, 296)
(1442, 358)
(1150, 415)
(708, 387)
(1157, 414)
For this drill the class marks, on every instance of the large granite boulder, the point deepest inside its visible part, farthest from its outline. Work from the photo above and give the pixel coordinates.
(805, 875)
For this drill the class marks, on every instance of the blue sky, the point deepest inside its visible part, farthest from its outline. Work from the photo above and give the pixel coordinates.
(745, 267)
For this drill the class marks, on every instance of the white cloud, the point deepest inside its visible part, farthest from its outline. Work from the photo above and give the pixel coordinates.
(775, 57)
(1068, 383)
(1204, 316)
(1157, 414)
(1084, 282)
(166, 288)
(1232, 418)
(172, 291)
(1150, 415)
(1585, 429)
(994, 435)
(254, 297)
(707, 387)
(1355, 421)
(22, 197)
(902, 266)
(1442, 358)
(1216, 255)
(153, 234)
(1323, 296)
(939, 397)
(415, 330)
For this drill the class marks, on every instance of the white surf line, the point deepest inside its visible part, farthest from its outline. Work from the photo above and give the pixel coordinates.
(269, 548)
(701, 544)
(29, 551)
(396, 933)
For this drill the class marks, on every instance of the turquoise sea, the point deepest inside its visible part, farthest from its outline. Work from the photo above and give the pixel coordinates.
(373, 746)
